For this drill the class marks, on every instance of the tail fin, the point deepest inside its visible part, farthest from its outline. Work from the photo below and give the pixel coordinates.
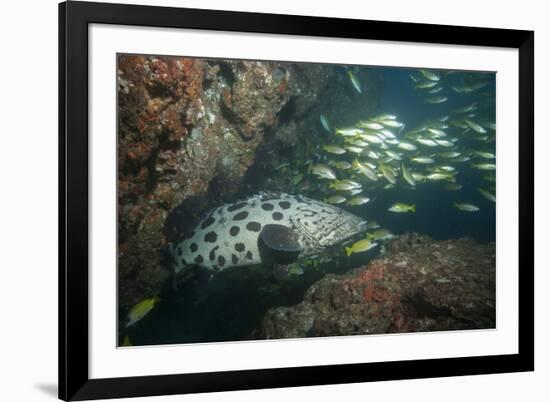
(413, 207)
(349, 251)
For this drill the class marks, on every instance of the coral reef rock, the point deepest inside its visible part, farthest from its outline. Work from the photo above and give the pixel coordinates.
(417, 284)
(184, 123)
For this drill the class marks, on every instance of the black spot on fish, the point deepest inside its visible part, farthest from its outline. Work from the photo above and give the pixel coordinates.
(216, 268)
(234, 231)
(193, 247)
(183, 261)
(234, 207)
(277, 216)
(254, 226)
(249, 254)
(221, 261)
(212, 254)
(240, 216)
(207, 222)
(267, 206)
(234, 259)
(198, 259)
(239, 247)
(179, 250)
(211, 237)
(284, 204)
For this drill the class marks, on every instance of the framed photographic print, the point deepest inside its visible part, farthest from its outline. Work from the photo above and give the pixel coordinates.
(255, 200)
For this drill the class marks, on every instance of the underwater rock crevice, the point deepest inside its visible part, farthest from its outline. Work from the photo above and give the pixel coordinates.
(185, 126)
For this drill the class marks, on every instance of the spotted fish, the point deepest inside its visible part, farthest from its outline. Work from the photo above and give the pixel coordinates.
(278, 227)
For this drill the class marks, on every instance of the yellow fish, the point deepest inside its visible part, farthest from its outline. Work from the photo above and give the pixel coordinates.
(360, 247)
(127, 342)
(400, 207)
(140, 310)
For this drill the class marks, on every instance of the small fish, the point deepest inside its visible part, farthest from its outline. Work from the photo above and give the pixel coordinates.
(380, 234)
(419, 177)
(325, 123)
(422, 159)
(335, 199)
(436, 99)
(371, 125)
(140, 310)
(488, 195)
(489, 178)
(484, 166)
(373, 154)
(450, 154)
(387, 134)
(440, 176)
(400, 207)
(363, 168)
(297, 179)
(323, 171)
(445, 143)
(466, 109)
(126, 341)
(348, 131)
(437, 132)
(407, 146)
(435, 90)
(359, 143)
(385, 116)
(484, 155)
(394, 155)
(334, 149)
(358, 200)
(426, 141)
(426, 85)
(429, 75)
(354, 150)
(388, 173)
(452, 186)
(372, 138)
(371, 225)
(360, 247)
(392, 123)
(344, 185)
(342, 165)
(474, 126)
(465, 207)
(407, 175)
(446, 168)
(295, 269)
(354, 81)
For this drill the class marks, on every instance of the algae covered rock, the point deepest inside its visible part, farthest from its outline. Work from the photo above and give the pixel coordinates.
(417, 285)
(190, 127)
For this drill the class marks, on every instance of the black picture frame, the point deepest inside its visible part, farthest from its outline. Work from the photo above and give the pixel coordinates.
(74, 18)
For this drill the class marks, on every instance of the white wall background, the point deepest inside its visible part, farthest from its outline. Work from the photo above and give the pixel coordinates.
(28, 198)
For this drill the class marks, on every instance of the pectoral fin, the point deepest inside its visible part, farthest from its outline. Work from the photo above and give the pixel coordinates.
(278, 244)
